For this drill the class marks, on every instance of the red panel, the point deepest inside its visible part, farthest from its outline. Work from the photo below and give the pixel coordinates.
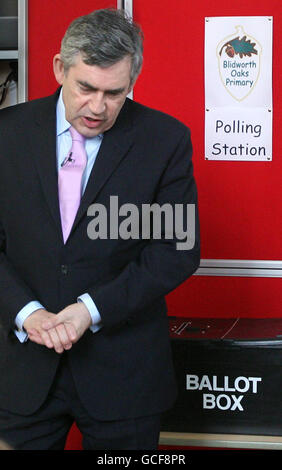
(47, 23)
(240, 202)
(74, 440)
(227, 297)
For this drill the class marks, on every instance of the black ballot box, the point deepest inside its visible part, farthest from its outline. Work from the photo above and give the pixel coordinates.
(229, 376)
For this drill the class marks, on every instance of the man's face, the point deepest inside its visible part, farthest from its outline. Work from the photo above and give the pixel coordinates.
(93, 96)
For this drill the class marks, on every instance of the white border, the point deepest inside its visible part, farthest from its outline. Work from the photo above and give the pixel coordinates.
(22, 50)
(126, 5)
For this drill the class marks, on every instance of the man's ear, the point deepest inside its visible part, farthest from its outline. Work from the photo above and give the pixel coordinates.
(58, 68)
(131, 87)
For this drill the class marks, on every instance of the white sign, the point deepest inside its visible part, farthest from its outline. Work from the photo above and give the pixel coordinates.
(239, 134)
(223, 401)
(238, 88)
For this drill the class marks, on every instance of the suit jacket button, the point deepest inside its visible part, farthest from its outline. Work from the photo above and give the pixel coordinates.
(64, 269)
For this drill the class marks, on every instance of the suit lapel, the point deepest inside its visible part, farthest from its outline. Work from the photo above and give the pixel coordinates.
(44, 153)
(116, 144)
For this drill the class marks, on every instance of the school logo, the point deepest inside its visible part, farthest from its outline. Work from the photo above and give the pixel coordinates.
(239, 63)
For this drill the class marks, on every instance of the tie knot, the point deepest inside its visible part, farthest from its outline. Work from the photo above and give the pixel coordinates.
(76, 135)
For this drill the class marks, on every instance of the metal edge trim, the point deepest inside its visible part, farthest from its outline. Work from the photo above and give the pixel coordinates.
(240, 268)
(22, 50)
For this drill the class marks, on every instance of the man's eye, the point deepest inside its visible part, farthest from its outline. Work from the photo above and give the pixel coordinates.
(84, 89)
(114, 93)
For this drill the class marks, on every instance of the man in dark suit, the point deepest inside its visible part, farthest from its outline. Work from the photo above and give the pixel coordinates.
(84, 331)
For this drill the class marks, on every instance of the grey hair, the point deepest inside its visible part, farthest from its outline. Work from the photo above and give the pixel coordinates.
(103, 38)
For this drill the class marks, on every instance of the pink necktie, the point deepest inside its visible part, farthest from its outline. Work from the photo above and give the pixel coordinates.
(70, 176)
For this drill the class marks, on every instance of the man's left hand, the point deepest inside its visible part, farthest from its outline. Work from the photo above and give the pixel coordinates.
(75, 319)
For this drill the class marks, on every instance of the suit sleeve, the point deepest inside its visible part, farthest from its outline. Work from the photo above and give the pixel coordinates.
(14, 294)
(161, 266)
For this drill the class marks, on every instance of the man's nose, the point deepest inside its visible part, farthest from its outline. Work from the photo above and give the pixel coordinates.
(97, 103)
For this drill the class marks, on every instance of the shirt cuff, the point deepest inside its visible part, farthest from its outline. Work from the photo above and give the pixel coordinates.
(27, 310)
(94, 313)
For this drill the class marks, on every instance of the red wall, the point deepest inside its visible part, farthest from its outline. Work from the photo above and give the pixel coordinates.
(47, 23)
(240, 202)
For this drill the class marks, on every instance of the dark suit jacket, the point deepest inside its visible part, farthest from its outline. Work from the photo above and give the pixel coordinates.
(125, 369)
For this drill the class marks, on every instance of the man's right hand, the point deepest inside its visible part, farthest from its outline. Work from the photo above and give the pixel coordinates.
(32, 325)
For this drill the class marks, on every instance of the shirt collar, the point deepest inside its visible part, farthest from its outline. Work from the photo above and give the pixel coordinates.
(62, 124)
